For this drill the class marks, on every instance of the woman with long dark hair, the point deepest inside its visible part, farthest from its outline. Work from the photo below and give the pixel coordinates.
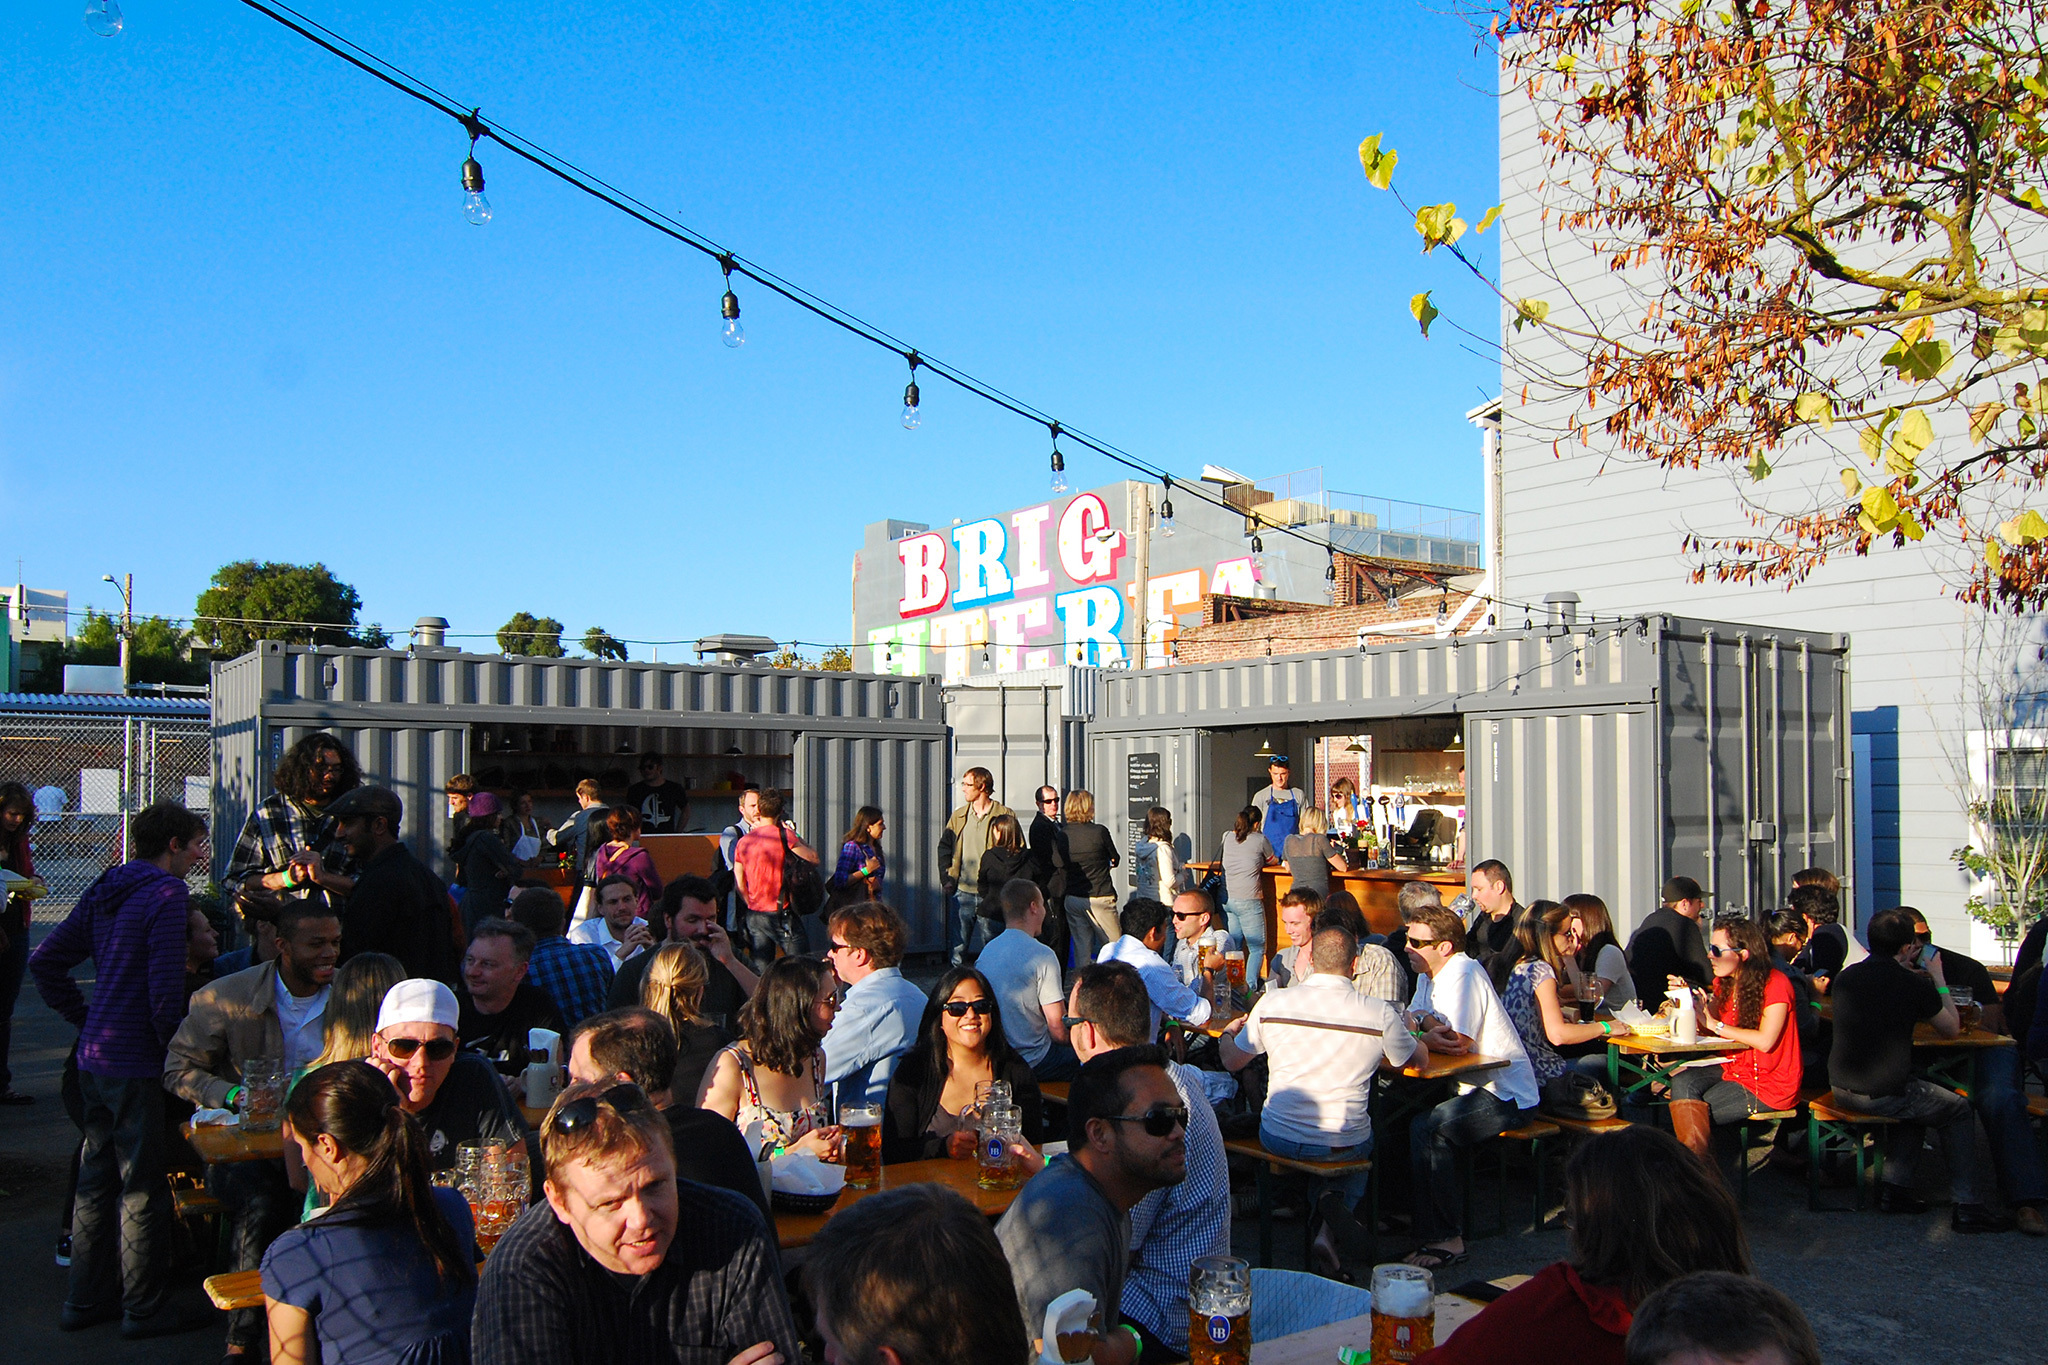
(17, 818)
(1751, 1004)
(387, 1275)
(960, 1045)
(858, 875)
(622, 856)
(1602, 974)
(775, 1074)
(1546, 939)
(1641, 1213)
(488, 867)
(1003, 861)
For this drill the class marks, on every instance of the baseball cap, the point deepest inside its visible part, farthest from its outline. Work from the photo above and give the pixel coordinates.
(367, 801)
(418, 1000)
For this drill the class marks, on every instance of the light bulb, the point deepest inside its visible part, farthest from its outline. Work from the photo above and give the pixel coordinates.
(1059, 472)
(1166, 517)
(911, 418)
(103, 17)
(729, 308)
(475, 207)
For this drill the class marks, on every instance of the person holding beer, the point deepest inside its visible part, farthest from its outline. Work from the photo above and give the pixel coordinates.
(775, 1074)
(1642, 1212)
(960, 1047)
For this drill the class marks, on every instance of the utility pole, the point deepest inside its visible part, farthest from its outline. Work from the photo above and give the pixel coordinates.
(127, 587)
(1141, 543)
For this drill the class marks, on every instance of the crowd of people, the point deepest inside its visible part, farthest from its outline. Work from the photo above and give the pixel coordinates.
(708, 1021)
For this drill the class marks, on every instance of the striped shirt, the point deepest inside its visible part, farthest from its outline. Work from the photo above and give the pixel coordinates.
(1172, 1227)
(578, 976)
(544, 1301)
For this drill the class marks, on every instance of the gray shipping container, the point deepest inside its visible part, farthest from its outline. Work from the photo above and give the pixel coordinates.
(415, 718)
(1601, 757)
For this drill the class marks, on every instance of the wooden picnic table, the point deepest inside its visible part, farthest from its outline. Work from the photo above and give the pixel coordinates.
(797, 1229)
(1319, 1345)
(1651, 1058)
(221, 1144)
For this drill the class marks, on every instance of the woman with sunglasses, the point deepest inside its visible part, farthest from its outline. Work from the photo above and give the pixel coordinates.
(1751, 1004)
(1546, 939)
(960, 1046)
(388, 1273)
(774, 1075)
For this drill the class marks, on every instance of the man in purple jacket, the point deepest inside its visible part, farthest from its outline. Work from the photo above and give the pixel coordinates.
(131, 923)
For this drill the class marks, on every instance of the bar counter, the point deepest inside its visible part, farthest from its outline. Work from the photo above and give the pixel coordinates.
(1377, 891)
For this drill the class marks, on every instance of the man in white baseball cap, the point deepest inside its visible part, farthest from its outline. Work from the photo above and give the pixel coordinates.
(456, 1096)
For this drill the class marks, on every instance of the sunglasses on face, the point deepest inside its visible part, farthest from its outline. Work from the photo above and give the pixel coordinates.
(1159, 1120)
(958, 1008)
(580, 1113)
(438, 1049)
(1192, 914)
(1423, 942)
(1716, 950)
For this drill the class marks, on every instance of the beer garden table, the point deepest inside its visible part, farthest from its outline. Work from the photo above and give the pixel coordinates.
(1958, 1068)
(1319, 1345)
(797, 1229)
(220, 1144)
(1637, 1061)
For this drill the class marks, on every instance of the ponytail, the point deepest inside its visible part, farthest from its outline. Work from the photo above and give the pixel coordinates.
(353, 1103)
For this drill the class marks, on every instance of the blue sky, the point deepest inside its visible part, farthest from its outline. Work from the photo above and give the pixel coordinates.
(241, 315)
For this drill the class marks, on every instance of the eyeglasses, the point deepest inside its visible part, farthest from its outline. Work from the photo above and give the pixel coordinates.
(1073, 1019)
(1159, 1120)
(958, 1008)
(1716, 950)
(626, 1098)
(1048, 800)
(438, 1049)
(1191, 914)
(1424, 942)
(830, 1002)
(837, 947)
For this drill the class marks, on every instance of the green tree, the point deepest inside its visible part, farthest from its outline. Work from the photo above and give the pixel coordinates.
(787, 657)
(298, 603)
(157, 653)
(375, 637)
(838, 659)
(539, 637)
(600, 643)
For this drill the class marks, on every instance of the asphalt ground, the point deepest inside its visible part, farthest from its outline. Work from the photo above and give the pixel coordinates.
(1878, 1289)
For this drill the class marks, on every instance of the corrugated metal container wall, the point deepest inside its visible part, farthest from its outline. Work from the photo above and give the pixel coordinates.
(837, 775)
(1565, 800)
(408, 715)
(1183, 770)
(1028, 735)
(1757, 761)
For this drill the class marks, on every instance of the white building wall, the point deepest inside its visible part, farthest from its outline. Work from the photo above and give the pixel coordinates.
(1611, 529)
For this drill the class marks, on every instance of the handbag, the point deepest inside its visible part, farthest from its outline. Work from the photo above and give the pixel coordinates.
(803, 890)
(852, 892)
(1575, 1095)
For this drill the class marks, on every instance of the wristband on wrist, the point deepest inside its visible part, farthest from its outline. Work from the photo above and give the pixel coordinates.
(234, 1094)
(1606, 1029)
(1137, 1341)
(1942, 990)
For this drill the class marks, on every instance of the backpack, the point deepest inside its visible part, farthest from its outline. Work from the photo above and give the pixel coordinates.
(803, 889)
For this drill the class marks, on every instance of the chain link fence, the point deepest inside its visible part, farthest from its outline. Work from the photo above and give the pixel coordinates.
(89, 775)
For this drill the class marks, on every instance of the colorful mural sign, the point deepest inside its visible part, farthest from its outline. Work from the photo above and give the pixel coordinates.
(1050, 584)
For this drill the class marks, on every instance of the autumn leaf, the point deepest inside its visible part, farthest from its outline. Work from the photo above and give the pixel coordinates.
(1530, 310)
(1815, 407)
(1871, 438)
(2025, 529)
(1425, 312)
(1922, 360)
(1914, 435)
(1759, 467)
(1992, 555)
(1439, 225)
(1568, 63)
(1910, 527)
(1880, 510)
(1379, 164)
(1487, 221)
(1983, 417)
(1852, 482)
(1916, 331)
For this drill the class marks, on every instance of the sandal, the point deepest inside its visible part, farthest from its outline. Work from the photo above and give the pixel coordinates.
(1436, 1257)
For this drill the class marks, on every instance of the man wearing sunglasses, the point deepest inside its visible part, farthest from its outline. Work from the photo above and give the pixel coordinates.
(456, 1096)
(625, 1262)
(1070, 1227)
(1143, 938)
(1170, 1228)
(878, 1021)
(1050, 857)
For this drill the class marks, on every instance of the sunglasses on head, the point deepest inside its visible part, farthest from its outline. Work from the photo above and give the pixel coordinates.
(438, 1049)
(1159, 1120)
(626, 1098)
(958, 1008)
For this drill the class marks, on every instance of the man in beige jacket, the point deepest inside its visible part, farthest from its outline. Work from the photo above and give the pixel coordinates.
(270, 1012)
(960, 848)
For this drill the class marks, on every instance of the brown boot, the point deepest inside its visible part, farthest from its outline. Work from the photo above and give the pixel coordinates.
(1692, 1123)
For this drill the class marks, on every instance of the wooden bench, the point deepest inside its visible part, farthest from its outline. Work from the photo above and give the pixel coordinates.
(1536, 1132)
(1266, 1165)
(2037, 1106)
(236, 1289)
(1831, 1128)
(1053, 1092)
(194, 1202)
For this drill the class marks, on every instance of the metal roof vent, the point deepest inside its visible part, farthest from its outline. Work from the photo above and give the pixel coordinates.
(430, 632)
(1563, 608)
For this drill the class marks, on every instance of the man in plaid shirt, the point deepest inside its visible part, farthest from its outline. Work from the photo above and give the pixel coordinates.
(577, 975)
(1172, 1227)
(289, 845)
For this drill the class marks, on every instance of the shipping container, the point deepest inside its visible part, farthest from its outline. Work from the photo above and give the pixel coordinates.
(1597, 756)
(416, 717)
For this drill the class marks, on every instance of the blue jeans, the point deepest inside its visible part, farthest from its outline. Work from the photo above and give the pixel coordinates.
(2002, 1106)
(767, 930)
(1350, 1188)
(1246, 920)
(122, 1215)
(1434, 1139)
(970, 932)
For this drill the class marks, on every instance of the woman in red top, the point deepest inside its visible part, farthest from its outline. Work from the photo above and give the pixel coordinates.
(1751, 1004)
(1642, 1214)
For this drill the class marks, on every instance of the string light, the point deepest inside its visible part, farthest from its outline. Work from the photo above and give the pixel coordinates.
(1166, 507)
(1059, 464)
(103, 17)
(475, 207)
(911, 419)
(729, 308)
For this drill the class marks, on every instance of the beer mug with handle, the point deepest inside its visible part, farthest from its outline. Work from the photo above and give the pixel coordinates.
(863, 1125)
(1220, 1311)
